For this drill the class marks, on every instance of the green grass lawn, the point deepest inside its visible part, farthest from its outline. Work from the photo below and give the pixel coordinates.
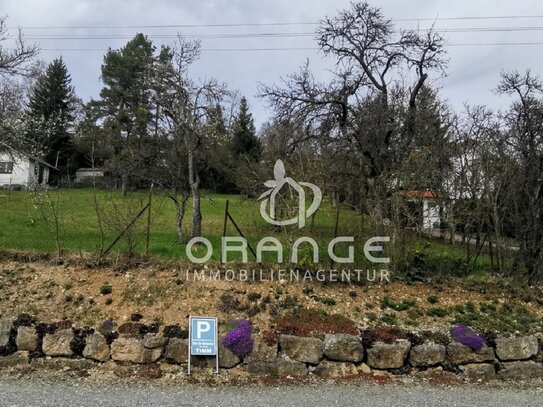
(23, 227)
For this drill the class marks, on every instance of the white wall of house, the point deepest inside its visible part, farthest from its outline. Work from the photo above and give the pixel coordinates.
(21, 170)
(430, 214)
(87, 173)
(25, 170)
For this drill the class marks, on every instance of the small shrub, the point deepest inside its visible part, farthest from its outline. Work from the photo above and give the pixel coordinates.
(470, 306)
(404, 305)
(438, 312)
(290, 301)
(326, 300)
(415, 313)
(229, 303)
(68, 298)
(253, 311)
(109, 301)
(106, 289)
(432, 299)
(79, 299)
(67, 286)
(460, 308)
(254, 297)
(307, 291)
(353, 294)
(372, 317)
(239, 339)
(389, 319)
(487, 307)
(467, 336)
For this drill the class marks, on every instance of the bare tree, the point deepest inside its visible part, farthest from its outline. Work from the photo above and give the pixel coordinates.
(186, 105)
(370, 105)
(524, 121)
(14, 61)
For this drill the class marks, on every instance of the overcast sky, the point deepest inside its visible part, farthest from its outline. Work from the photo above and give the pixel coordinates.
(472, 73)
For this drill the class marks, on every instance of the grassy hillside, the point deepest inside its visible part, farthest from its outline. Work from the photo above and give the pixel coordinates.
(23, 227)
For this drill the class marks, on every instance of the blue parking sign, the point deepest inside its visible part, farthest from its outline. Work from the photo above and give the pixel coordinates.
(203, 336)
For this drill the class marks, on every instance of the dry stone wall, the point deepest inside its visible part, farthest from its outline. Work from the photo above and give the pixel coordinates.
(331, 356)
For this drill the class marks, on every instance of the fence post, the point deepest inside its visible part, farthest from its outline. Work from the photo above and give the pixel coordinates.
(149, 207)
(335, 232)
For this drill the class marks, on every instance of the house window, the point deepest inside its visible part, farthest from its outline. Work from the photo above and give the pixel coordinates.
(6, 167)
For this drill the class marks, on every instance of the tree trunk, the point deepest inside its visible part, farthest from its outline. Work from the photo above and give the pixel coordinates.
(124, 185)
(196, 212)
(180, 206)
(194, 181)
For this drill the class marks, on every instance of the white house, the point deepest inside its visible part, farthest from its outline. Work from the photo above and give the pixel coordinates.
(20, 169)
(83, 174)
(425, 208)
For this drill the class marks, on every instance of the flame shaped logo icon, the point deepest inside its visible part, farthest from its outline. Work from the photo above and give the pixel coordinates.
(276, 185)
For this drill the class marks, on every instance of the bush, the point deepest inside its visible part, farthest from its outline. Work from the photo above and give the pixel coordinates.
(437, 312)
(229, 303)
(326, 300)
(404, 305)
(254, 297)
(239, 339)
(106, 289)
(432, 299)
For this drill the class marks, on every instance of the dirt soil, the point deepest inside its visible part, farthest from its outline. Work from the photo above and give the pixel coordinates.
(159, 292)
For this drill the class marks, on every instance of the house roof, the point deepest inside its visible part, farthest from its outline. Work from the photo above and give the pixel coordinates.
(95, 169)
(424, 194)
(31, 157)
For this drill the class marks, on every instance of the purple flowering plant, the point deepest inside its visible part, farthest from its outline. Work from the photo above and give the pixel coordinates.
(467, 336)
(239, 339)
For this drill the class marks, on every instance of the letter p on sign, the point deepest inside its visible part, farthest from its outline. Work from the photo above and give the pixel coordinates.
(201, 328)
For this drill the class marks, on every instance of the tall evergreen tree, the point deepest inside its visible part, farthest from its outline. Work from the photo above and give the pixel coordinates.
(126, 101)
(217, 162)
(244, 140)
(50, 113)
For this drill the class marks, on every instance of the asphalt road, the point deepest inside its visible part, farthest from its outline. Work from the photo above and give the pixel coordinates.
(29, 394)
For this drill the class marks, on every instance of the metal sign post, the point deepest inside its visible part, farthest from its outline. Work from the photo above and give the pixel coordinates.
(203, 339)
